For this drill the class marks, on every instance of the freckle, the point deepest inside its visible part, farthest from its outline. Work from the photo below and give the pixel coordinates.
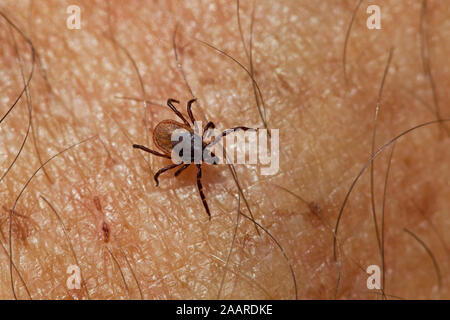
(407, 161)
(97, 203)
(245, 240)
(207, 81)
(110, 162)
(106, 232)
(284, 83)
(315, 208)
(191, 52)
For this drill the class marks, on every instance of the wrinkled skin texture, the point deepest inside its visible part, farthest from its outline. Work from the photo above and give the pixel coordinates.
(134, 240)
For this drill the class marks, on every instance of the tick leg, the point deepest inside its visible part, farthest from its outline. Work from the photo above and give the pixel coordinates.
(223, 134)
(173, 165)
(215, 158)
(200, 189)
(211, 158)
(156, 153)
(177, 173)
(189, 111)
(209, 125)
(178, 113)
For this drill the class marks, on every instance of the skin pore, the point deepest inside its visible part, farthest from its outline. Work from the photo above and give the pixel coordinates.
(96, 207)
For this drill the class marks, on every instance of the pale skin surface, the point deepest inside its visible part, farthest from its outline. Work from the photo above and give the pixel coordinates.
(161, 237)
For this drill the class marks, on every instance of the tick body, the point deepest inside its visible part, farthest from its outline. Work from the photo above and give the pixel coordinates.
(162, 134)
(162, 138)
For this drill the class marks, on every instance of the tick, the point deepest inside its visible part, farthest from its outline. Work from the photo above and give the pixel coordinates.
(162, 138)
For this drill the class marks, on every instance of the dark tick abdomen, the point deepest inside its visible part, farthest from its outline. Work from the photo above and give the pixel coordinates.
(162, 135)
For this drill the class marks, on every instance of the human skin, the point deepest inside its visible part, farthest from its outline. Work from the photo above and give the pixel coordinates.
(133, 240)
